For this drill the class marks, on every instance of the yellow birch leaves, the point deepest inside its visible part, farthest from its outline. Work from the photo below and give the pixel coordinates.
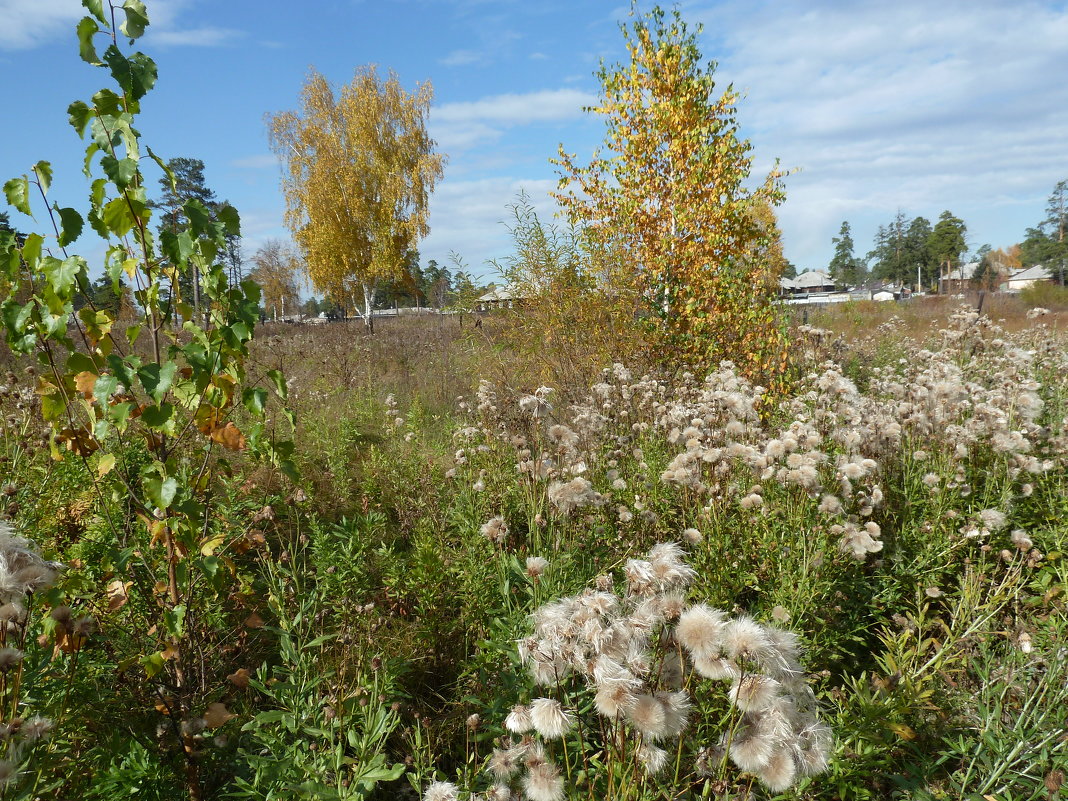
(668, 194)
(359, 168)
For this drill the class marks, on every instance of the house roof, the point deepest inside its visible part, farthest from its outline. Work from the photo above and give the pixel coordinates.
(787, 283)
(812, 278)
(1036, 272)
(963, 272)
(512, 291)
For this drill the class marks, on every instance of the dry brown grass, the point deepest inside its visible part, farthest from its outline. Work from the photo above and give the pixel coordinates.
(921, 317)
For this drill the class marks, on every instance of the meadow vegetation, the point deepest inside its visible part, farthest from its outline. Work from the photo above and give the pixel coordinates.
(539, 558)
(901, 512)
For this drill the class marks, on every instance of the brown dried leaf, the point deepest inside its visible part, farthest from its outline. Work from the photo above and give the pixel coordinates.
(239, 678)
(216, 715)
(117, 596)
(229, 436)
(254, 621)
(84, 383)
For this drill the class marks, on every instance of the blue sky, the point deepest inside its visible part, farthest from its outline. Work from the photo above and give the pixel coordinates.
(882, 106)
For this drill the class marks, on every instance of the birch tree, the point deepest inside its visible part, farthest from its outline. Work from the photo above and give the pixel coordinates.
(668, 191)
(276, 269)
(358, 171)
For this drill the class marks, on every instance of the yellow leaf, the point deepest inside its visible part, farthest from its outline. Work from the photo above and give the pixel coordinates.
(902, 731)
(229, 436)
(106, 464)
(208, 546)
(239, 678)
(84, 383)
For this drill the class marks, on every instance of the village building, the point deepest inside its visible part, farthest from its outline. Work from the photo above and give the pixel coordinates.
(1022, 279)
(959, 279)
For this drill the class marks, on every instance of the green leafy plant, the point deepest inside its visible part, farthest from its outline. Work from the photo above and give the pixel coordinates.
(149, 405)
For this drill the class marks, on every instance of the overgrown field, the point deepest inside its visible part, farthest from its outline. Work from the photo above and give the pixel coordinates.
(590, 581)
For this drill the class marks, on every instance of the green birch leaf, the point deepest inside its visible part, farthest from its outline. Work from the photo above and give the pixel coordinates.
(255, 400)
(17, 192)
(157, 416)
(143, 74)
(161, 493)
(122, 214)
(166, 169)
(120, 69)
(120, 413)
(107, 103)
(176, 247)
(79, 115)
(104, 388)
(86, 49)
(123, 370)
(61, 274)
(43, 171)
(71, 225)
(153, 664)
(97, 192)
(136, 19)
(87, 162)
(31, 250)
(120, 171)
(156, 379)
(80, 363)
(279, 382)
(229, 217)
(96, 8)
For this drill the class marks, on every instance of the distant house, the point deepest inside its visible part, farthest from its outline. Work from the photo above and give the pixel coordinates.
(958, 279)
(880, 291)
(812, 287)
(503, 297)
(813, 281)
(1022, 279)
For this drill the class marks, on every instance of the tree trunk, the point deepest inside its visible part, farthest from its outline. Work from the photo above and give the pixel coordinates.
(196, 295)
(368, 319)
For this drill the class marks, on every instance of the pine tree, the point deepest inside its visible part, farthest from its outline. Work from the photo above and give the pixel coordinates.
(845, 268)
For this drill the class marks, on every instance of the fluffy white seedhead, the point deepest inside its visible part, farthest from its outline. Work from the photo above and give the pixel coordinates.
(441, 791)
(648, 716)
(543, 782)
(780, 771)
(518, 720)
(549, 718)
(653, 759)
(700, 630)
(22, 569)
(754, 692)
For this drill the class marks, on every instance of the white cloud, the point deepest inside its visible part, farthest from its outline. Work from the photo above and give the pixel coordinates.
(518, 109)
(462, 125)
(470, 217)
(196, 37)
(911, 105)
(31, 23)
(459, 58)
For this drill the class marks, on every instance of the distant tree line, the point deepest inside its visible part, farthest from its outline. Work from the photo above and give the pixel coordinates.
(910, 251)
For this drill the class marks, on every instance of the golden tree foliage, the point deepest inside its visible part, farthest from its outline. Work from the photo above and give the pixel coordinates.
(698, 252)
(276, 271)
(359, 168)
